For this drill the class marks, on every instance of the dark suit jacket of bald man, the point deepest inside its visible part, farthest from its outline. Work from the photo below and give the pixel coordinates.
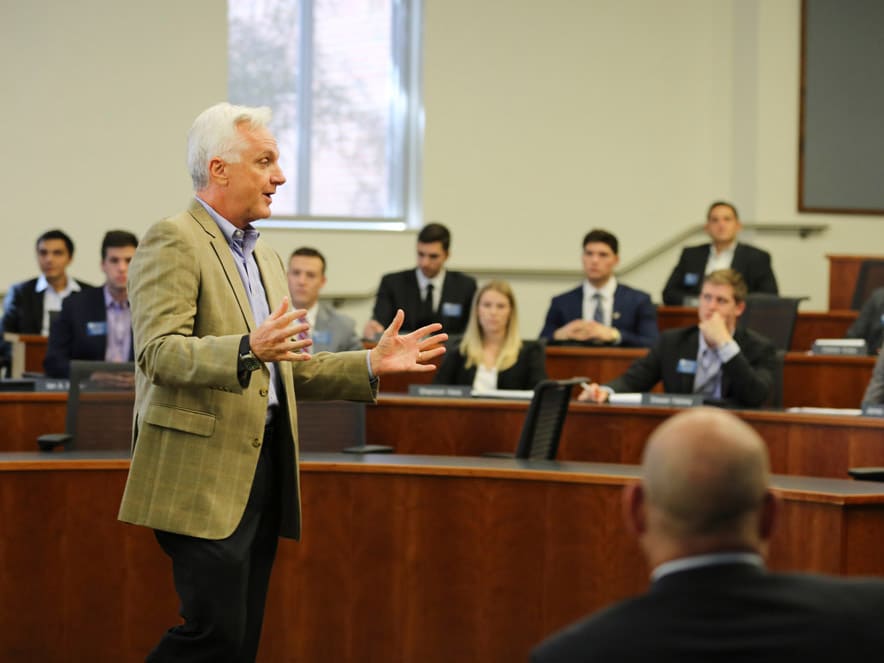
(731, 612)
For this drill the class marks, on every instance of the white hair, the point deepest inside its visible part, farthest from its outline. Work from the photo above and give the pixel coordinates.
(214, 134)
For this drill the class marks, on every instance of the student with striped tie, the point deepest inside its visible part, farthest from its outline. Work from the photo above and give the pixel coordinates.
(601, 311)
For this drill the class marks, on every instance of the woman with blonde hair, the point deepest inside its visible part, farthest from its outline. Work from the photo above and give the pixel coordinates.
(491, 354)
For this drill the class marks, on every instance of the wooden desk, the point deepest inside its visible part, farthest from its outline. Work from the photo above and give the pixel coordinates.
(28, 352)
(799, 444)
(25, 416)
(817, 445)
(404, 558)
(809, 326)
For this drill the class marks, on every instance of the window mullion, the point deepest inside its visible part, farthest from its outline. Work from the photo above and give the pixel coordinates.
(305, 105)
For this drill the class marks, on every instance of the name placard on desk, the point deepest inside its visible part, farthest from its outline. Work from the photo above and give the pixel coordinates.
(873, 410)
(851, 347)
(672, 400)
(440, 390)
(35, 384)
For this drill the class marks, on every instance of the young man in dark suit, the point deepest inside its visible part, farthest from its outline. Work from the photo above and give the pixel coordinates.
(703, 514)
(602, 311)
(95, 323)
(430, 293)
(713, 358)
(722, 226)
(29, 303)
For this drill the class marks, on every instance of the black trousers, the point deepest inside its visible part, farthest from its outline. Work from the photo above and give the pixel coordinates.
(223, 584)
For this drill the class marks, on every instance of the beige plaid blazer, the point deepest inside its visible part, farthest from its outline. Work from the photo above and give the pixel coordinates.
(197, 432)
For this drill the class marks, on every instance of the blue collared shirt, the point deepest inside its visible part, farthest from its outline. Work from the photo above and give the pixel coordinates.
(242, 247)
(119, 328)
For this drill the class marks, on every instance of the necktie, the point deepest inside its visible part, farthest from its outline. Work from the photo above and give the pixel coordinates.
(706, 379)
(304, 335)
(427, 306)
(599, 314)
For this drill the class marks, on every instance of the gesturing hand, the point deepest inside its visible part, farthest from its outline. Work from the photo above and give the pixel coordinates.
(275, 339)
(409, 352)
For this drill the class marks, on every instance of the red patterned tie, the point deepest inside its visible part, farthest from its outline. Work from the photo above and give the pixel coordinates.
(304, 335)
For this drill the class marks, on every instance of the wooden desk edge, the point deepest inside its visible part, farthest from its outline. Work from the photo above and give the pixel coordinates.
(862, 492)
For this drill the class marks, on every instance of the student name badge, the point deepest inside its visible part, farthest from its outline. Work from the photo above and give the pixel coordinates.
(686, 366)
(691, 278)
(321, 336)
(96, 328)
(452, 309)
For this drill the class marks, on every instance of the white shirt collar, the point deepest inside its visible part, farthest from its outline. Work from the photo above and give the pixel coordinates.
(700, 561)
(72, 286)
(606, 291)
(437, 280)
(312, 312)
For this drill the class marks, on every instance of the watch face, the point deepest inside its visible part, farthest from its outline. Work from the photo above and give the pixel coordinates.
(250, 362)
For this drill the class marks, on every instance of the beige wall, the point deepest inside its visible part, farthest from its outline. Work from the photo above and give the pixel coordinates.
(542, 120)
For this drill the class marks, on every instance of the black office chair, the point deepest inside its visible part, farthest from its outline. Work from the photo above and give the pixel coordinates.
(334, 426)
(543, 421)
(101, 399)
(771, 316)
(870, 278)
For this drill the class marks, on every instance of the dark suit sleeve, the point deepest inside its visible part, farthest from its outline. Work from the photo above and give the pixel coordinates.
(749, 375)
(868, 325)
(384, 303)
(57, 363)
(452, 365)
(764, 279)
(875, 390)
(535, 356)
(646, 331)
(554, 320)
(644, 372)
(674, 291)
(12, 307)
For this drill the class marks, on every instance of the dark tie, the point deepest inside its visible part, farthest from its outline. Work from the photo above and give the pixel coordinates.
(708, 368)
(599, 314)
(427, 306)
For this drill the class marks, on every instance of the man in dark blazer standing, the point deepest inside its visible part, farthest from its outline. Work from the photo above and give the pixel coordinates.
(703, 514)
(713, 358)
(430, 293)
(28, 304)
(96, 323)
(722, 226)
(602, 311)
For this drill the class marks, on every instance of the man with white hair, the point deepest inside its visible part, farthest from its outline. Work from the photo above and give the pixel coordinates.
(703, 514)
(219, 361)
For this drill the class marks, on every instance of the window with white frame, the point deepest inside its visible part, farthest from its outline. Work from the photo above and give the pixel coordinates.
(342, 78)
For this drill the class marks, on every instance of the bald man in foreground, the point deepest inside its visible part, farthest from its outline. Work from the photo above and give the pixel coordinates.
(703, 514)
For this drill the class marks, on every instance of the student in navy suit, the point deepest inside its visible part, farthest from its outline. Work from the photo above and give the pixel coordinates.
(703, 514)
(722, 226)
(601, 310)
(491, 354)
(427, 294)
(712, 358)
(95, 323)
